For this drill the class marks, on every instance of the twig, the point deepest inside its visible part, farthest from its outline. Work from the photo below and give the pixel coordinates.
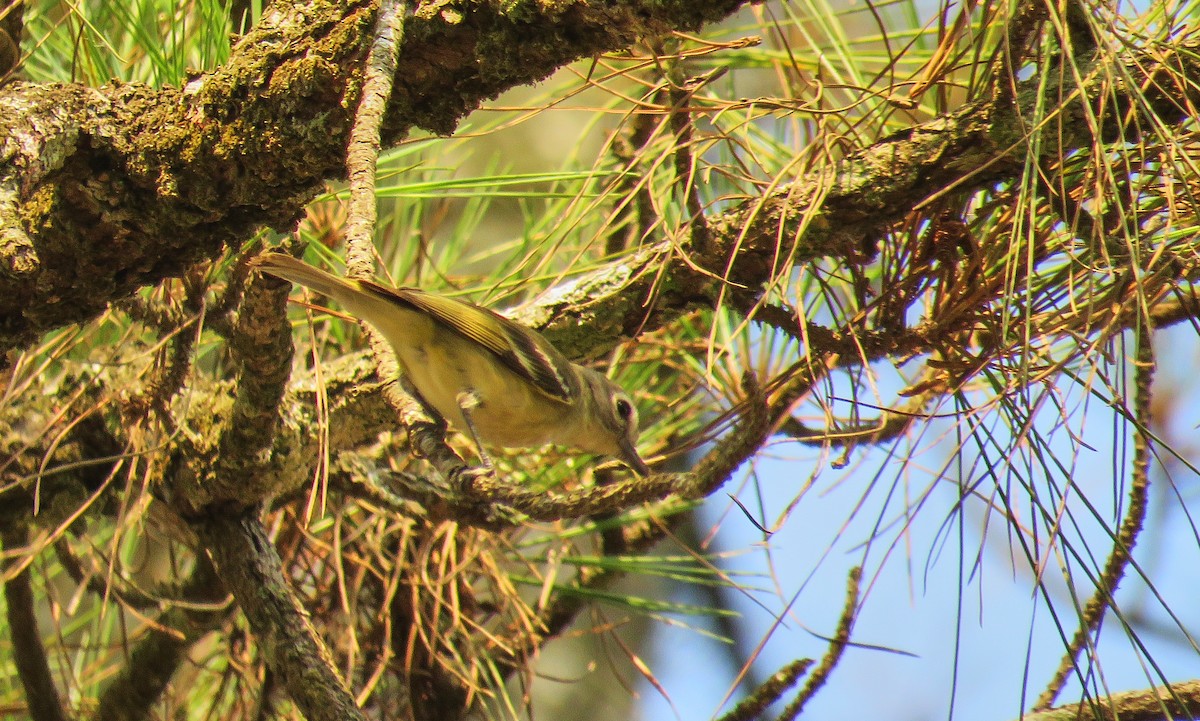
(1020, 33)
(634, 216)
(1131, 525)
(12, 27)
(427, 433)
(769, 692)
(489, 502)
(362, 153)
(680, 92)
(131, 695)
(128, 595)
(841, 640)
(711, 473)
(1176, 701)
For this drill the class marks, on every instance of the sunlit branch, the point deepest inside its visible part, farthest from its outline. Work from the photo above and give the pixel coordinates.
(841, 639)
(1127, 535)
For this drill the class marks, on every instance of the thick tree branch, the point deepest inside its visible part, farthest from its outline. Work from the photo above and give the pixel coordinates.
(250, 567)
(214, 469)
(841, 212)
(106, 190)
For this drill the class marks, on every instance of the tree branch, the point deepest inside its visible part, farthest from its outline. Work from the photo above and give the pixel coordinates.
(29, 655)
(1177, 701)
(105, 190)
(250, 568)
(1126, 537)
(131, 695)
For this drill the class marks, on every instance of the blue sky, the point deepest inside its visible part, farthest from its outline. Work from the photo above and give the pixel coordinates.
(1004, 631)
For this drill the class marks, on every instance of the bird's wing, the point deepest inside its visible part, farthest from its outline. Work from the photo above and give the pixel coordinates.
(522, 350)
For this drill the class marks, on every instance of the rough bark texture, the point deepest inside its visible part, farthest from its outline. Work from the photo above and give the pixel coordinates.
(105, 190)
(250, 567)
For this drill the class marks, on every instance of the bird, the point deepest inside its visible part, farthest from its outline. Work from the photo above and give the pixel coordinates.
(499, 382)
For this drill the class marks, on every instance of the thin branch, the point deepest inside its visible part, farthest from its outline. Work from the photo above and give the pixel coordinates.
(634, 215)
(1020, 33)
(362, 153)
(680, 91)
(152, 663)
(1131, 525)
(103, 587)
(427, 432)
(29, 655)
(769, 692)
(709, 475)
(1176, 701)
(489, 502)
(12, 27)
(841, 639)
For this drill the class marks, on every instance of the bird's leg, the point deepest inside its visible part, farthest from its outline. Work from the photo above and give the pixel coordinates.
(467, 402)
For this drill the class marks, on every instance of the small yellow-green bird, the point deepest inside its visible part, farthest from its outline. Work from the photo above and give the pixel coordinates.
(499, 382)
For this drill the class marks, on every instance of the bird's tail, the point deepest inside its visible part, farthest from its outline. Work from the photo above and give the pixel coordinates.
(285, 266)
(402, 324)
(360, 300)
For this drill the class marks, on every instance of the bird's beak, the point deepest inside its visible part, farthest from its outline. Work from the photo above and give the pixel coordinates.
(630, 455)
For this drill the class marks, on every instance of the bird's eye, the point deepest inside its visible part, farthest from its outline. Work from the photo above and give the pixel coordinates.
(624, 409)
